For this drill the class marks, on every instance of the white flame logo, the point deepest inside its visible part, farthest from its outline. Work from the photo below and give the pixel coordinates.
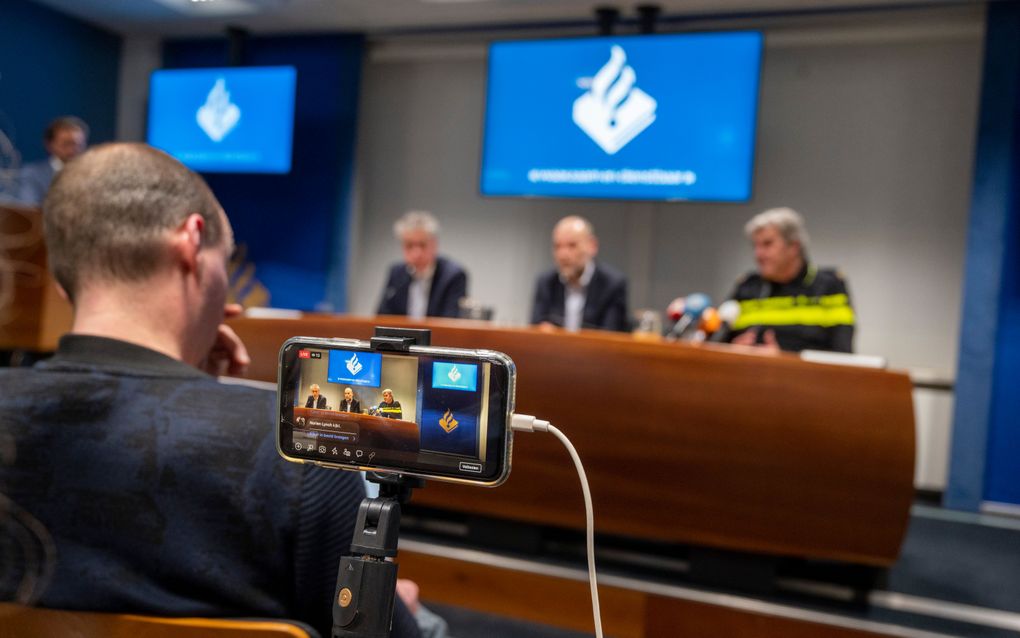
(218, 116)
(454, 374)
(353, 365)
(613, 111)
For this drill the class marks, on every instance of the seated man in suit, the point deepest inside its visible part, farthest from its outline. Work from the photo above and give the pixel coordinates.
(425, 284)
(166, 494)
(580, 292)
(350, 404)
(65, 139)
(315, 400)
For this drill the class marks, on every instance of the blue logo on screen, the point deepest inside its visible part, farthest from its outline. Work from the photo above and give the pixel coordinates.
(354, 368)
(645, 117)
(455, 376)
(237, 120)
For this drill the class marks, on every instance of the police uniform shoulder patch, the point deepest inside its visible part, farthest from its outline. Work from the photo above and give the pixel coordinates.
(746, 281)
(746, 277)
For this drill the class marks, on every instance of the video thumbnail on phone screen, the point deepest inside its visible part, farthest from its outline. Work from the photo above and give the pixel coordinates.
(372, 408)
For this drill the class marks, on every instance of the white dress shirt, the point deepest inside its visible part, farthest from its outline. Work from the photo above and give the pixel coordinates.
(575, 296)
(418, 292)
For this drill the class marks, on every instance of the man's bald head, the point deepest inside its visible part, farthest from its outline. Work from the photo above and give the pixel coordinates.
(574, 246)
(108, 213)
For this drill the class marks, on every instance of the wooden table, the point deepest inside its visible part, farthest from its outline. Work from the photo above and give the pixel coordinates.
(707, 445)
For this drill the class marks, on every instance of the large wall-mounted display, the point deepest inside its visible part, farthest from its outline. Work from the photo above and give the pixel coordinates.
(664, 117)
(226, 120)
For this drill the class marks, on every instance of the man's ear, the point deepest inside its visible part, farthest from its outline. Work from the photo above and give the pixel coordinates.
(187, 241)
(61, 292)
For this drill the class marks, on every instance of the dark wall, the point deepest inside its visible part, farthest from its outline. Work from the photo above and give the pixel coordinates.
(295, 226)
(52, 65)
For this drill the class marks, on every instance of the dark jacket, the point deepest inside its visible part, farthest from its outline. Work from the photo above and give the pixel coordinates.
(812, 312)
(605, 305)
(449, 285)
(320, 404)
(355, 406)
(164, 494)
(34, 181)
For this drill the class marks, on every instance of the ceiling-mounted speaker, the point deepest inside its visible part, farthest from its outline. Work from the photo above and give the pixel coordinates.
(237, 38)
(606, 18)
(648, 17)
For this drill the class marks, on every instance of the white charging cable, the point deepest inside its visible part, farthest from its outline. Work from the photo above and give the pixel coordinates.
(527, 423)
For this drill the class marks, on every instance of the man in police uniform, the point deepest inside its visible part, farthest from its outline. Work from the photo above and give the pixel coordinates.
(790, 303)
(389, 407)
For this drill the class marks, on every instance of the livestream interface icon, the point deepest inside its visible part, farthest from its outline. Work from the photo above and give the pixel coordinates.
(665, 117)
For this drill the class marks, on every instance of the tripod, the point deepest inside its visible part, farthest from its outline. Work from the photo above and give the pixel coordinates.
(366, 582)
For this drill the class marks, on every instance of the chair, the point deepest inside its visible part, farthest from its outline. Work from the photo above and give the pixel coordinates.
(18, 621)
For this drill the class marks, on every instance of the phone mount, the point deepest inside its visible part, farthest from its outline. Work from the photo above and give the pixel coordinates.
(366, 581)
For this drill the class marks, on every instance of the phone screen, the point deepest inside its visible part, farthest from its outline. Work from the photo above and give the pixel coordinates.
(434, 412)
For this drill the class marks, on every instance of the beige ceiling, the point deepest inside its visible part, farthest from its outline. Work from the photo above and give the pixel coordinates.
(179, 17)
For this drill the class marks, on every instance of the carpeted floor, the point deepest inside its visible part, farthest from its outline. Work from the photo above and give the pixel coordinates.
(946, 556)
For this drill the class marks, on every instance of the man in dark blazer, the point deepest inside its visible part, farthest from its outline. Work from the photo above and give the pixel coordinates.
(65, 139)
(580, 292)
(350, 404)
(315, 400)
(425, 284)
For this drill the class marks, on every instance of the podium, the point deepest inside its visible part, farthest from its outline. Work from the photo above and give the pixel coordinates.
(33, 315)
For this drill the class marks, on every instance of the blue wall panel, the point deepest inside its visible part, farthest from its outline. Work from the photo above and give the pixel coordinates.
(986, 423)
(53, 65)
(295, 225)
(1002, 473)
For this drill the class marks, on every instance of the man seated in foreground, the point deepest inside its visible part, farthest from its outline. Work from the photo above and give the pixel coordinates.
(161, 487)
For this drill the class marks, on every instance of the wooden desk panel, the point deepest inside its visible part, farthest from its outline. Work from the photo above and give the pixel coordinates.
(626, 612)
(33, 315)
(707, 445)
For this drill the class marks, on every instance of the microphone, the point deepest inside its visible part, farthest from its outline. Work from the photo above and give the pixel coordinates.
(690, 310)
(675, 309)
(729, 312)
(710, 322)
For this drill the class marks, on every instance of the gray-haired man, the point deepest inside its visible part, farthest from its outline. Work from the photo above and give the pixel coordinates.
(425, 284)
(790, 303)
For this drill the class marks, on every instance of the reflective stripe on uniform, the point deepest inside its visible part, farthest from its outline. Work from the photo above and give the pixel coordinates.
(825, 311)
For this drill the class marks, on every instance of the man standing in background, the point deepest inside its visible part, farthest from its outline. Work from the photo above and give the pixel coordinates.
(789, 303)
(65, 139)
(425, 284)
(580, 292)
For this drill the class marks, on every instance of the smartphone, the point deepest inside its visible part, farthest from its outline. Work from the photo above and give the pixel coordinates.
(435, 413)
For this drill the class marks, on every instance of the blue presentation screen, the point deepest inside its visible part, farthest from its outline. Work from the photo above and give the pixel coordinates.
(230, 120)
(454, 376)
(663, 117)
(354, 368)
